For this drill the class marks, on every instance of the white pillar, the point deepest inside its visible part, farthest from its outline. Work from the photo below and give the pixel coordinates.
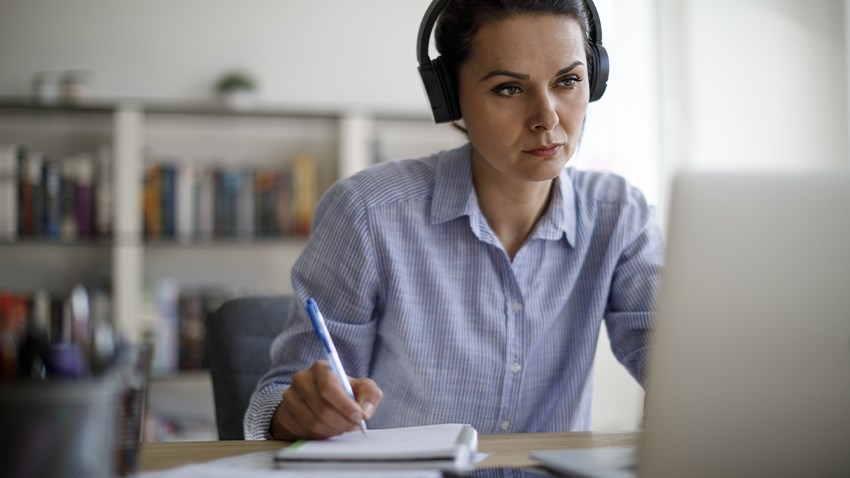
(127, 248)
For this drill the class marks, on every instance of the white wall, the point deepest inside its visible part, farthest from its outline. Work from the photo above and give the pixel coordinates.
(331, 53)
(753, 84)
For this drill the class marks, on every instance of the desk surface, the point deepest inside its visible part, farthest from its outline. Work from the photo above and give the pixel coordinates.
(504, 450)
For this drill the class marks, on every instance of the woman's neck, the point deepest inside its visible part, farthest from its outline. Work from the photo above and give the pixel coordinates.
(511, 206)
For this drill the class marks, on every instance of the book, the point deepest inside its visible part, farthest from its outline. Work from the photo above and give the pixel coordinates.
(85, 196)
(152, 205)
(186, 202)
(166, 323)
(245, 218)
(68, 228)
(227, 193)
(52, 199)
(167, 200)
(450, 446)
(204, 203)
(304, 187)
(32, 208)
(8, 192)
(103, 191)
(264, 203)
(192, 338)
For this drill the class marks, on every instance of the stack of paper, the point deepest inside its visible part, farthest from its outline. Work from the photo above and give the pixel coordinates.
(444, 447)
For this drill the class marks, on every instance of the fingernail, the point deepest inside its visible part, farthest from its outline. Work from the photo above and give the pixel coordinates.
(355, 417)
(368, 408)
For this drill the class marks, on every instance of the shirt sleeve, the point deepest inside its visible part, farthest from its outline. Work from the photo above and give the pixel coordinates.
(337, 269)
(634, 286)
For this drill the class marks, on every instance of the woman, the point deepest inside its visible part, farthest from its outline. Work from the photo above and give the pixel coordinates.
(470, 286)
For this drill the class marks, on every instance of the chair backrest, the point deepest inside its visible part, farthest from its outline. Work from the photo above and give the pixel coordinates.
(239, 337)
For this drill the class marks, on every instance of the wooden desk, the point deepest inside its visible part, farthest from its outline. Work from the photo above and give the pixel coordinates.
(504, 450)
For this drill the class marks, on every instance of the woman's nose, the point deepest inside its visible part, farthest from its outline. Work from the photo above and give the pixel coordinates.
(544, 116)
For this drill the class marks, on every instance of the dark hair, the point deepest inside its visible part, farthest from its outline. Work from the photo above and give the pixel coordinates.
(460, 20)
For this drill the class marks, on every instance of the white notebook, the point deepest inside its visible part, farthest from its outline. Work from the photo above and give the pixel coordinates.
(446, 447)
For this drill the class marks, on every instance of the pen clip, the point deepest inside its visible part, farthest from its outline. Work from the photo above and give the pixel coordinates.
(319, 325)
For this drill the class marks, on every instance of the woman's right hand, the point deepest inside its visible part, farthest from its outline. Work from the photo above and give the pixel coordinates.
(316, 406)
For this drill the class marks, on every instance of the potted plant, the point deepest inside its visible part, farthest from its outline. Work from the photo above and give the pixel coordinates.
(236, 89)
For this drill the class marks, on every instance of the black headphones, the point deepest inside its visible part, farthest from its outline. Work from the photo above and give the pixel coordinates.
(440, 84)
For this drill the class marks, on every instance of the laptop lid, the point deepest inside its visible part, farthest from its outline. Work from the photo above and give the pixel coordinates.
(750, 367)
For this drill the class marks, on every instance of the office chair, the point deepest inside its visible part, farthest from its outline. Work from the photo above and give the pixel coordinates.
(239, 336)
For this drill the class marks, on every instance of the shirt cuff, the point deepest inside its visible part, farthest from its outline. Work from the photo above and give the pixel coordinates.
(258, 417)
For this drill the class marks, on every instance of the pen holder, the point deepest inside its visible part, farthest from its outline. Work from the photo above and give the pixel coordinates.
(134, 367)
(87, 428)
(58, 428)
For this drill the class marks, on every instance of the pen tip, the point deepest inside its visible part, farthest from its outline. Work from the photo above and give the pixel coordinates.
(363, 428)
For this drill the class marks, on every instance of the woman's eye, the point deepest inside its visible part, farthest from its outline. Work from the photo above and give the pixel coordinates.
(507, 90)
(569, 81)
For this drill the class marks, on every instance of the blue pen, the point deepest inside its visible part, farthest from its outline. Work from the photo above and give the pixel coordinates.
(330, 350)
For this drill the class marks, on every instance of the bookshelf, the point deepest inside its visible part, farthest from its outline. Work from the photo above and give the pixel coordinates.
(206, 135)
(140, 268)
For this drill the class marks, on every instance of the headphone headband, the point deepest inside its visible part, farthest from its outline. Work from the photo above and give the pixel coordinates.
(423, 39)
(440, 83)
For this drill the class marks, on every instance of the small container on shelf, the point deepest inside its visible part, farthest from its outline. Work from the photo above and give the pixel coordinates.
(75, 85)
(45, 87)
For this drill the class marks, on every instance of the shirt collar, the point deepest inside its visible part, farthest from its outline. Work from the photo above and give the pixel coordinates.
(454, 196)
(559, 220)
(454, 186)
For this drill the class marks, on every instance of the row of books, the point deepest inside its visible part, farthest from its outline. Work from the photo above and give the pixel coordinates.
(29, 322)
(67, 199)
(184, 201)
(70, 199)
(176, 320)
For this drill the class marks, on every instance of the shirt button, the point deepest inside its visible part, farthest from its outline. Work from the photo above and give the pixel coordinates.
(505, 425)
(517, 307)
(516, 367)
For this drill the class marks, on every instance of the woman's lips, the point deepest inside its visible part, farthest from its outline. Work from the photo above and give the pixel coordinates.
(545, 151)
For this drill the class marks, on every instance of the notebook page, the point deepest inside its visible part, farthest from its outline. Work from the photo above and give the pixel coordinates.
(431, 441)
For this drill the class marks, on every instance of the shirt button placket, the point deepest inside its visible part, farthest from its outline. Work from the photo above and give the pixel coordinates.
(515, 367)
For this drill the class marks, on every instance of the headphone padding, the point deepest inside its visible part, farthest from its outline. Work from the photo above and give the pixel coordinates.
(440, 89)
(598, 71)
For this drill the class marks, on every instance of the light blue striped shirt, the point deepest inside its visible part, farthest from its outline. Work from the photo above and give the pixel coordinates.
(420, 296)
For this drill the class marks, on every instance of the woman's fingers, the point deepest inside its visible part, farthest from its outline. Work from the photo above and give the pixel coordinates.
(317, 406)
(368, 394)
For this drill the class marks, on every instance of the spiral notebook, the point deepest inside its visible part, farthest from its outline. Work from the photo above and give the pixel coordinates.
(444, 447)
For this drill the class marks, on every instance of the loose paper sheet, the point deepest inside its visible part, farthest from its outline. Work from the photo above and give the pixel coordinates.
(261, 465)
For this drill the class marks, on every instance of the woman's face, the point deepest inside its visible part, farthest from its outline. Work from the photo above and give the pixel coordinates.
(524, 93)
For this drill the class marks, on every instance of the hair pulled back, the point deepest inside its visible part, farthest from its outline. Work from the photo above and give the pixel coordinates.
(460, 20)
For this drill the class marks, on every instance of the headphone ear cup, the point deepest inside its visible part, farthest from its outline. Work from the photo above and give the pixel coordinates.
(449, 88)
(440, 89)
(598, 68)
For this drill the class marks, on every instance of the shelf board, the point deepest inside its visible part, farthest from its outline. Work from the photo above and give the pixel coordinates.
(28, 243)
(28, 104)
(225, 243)
(198, 107)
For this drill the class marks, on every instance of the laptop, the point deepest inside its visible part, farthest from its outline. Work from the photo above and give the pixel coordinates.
(749, 373)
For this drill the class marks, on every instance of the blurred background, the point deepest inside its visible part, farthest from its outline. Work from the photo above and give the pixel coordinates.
(273, 100)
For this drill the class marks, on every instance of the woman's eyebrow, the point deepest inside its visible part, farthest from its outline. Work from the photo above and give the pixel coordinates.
(512, 74)
(569, 68)
(523, 76)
